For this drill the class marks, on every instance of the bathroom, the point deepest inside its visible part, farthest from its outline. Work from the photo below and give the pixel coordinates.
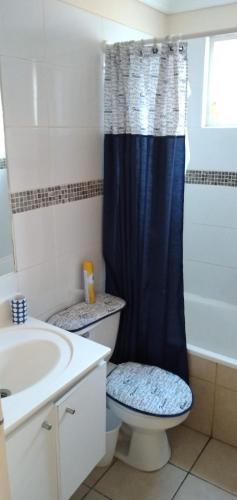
(52, 62)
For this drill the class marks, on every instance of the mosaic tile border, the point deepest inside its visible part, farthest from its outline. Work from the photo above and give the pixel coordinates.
(3, 163)
(211, 177)
(54, 195)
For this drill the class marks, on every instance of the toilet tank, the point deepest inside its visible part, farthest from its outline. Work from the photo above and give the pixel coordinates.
(105, 331)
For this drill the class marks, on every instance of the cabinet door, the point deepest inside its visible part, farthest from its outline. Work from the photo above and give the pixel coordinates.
(31, 455)
(81, 427)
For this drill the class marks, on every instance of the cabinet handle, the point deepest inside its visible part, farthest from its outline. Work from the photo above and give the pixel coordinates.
(46, 426)
(70, 411)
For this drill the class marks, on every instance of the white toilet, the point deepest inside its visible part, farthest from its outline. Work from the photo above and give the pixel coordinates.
(147, 399)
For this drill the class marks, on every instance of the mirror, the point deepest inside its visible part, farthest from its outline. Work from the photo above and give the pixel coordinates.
(6, 246)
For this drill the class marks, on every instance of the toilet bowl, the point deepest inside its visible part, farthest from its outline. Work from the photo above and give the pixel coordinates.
(149, 401)
(143, 442)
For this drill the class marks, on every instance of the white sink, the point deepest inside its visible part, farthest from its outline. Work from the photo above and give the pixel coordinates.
(38, 363)
(28, 355)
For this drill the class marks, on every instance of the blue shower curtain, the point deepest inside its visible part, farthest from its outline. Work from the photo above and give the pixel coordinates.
(145, 118)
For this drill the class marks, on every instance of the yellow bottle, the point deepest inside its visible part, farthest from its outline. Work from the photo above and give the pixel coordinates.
(89, 287)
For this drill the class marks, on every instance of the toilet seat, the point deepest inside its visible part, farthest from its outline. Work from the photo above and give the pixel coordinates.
(149, 390)
(149, 401)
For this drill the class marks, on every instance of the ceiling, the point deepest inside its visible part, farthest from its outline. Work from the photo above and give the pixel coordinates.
(172, 6)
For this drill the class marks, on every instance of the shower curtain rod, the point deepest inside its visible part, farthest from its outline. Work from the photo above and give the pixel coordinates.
(180, 37)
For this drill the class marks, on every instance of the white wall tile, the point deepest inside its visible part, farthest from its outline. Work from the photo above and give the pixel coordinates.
(210, 236)
(38, 284)
(28, 158)
(75, 97)
(69, 271)
(76, 154)
(73, 36)
(52, 82)
(216, 245)
(34, 237)
(8, 286)
(194, 117)
(211, 205)
(22, 28)
(196, 50)
(78, 227)
(212, 149)
(24, 88)
(207, 280)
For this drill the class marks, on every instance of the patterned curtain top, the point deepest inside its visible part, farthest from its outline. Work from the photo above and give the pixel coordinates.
(146, 88)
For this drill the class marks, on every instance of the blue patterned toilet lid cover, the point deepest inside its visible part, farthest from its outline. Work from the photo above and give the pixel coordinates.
(149, 390)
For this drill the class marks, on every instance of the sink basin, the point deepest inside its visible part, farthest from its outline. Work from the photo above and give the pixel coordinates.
(38, 364)
(29, 355)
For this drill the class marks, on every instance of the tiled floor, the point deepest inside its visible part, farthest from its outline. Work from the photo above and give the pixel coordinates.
(199, 468)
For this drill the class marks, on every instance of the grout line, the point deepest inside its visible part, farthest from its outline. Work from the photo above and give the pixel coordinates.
(222, 226)
(214, 264)
(107, 470)
(181, 484)
(189, 471)
(178, 467)
(102, 475)
(84, 496)
(103, 495)
(92, 489)
(213, 484)
(225, 443)
(199, 455)
(203, 380)
(214, 403)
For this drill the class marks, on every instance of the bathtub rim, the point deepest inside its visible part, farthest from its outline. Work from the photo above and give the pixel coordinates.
(212, 356)
(200, 351)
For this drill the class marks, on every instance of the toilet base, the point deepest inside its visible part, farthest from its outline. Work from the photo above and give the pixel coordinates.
(145, 450)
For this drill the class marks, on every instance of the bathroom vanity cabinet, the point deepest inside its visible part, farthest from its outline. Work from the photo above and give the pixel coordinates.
(32, 460)
(56, 448)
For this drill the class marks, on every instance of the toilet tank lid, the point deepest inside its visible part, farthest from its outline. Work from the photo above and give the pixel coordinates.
(80, 315)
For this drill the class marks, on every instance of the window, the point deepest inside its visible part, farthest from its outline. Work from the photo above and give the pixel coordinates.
(221, 87)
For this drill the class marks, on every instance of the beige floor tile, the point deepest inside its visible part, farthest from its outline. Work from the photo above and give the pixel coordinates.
(194, 488)
(218, 465)
(95, 475)
(95, 495)
(80, 493)
(186, 444)
(200, 418)
(125, 483)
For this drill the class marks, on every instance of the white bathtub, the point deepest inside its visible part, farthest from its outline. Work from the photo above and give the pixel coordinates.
(211, 329)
